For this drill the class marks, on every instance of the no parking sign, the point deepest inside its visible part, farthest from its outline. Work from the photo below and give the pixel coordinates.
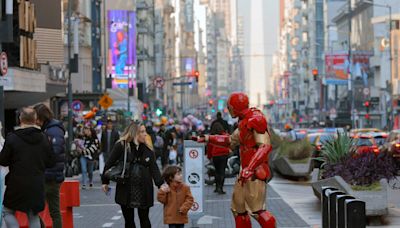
(194, 175)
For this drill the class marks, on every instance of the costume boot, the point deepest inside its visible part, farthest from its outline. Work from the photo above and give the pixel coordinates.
(266, 219)
(242, 221)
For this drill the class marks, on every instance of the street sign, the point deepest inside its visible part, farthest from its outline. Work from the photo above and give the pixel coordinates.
(77, 106)
(366, 91)
(105, 101)
(374, 100)
(332, 113)
(159, 82)
(3, 64)
(194, 175)
(181, 83)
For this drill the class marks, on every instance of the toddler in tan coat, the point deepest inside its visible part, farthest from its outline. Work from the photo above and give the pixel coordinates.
(176, 197)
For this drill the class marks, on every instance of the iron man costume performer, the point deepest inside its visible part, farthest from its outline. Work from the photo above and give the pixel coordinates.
(252, 135)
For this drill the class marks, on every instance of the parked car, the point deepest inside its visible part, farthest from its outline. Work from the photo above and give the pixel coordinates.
(380, 137)
(357, 131)
(300, 133)
(365, 143)
(392, 144)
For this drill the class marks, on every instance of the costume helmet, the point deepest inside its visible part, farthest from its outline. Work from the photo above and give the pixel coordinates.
(237, 103)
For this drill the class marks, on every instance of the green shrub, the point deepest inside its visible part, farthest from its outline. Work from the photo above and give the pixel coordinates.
(336, 149)
(297, 150)
(275, 139)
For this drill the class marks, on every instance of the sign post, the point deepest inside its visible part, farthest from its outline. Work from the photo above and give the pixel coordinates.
(193, 172)
(3, 64)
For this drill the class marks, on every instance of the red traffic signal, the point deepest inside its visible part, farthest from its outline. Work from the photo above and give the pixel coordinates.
(366, 104)
(367, 116)
(196, 75)
(315, 74)
(211, 102)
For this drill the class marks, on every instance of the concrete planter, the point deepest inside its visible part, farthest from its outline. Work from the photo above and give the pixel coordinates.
(376, 202)
(288, 168)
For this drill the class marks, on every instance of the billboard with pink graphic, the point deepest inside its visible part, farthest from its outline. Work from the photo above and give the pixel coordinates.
(122, 47)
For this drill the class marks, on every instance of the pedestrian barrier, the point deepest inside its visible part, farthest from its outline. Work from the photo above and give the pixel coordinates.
(69, 198)
(340, 210)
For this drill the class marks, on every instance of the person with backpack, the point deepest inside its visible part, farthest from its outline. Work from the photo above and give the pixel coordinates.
(55, 132)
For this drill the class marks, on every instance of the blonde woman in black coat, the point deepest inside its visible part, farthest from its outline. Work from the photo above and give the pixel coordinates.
(137, 191)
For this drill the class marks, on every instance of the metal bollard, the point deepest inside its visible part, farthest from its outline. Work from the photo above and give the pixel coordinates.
(340, 210)
(325, 205)
(355, 214)
(332, 207)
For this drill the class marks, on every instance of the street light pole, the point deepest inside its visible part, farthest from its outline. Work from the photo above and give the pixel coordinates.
(350, 78)
(70, 135)
(391, 67)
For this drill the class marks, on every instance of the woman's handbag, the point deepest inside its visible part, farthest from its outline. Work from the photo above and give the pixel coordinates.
(117, 173)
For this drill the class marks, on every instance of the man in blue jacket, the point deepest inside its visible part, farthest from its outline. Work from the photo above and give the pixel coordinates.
(54, 176)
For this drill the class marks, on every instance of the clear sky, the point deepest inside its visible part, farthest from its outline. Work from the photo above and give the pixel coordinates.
(261, 21)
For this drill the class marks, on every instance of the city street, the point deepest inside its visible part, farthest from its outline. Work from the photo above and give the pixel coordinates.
(292, 202)
(99, 210)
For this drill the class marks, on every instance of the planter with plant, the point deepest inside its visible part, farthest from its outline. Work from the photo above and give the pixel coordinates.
(364, 176)
(293, 158)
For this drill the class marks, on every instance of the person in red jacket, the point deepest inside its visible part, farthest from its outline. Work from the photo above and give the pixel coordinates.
(252, 136)
(219, 156)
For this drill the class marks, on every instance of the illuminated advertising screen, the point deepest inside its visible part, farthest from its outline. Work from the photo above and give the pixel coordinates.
(189, 66)
(337, 67)
(122, 47)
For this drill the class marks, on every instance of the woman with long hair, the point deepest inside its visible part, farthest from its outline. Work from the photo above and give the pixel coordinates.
(90, 150)
(137, 191)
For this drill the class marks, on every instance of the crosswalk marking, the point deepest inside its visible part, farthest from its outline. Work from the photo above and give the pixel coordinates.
(109, 224)
(116, 218)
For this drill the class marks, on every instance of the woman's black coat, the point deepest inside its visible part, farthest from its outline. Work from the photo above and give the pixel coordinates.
(27, 153)
(136, 192)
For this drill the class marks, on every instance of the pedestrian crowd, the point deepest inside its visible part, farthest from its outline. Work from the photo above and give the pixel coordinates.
(35, 156)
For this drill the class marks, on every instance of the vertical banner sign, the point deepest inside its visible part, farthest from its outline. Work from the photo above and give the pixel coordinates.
(122, 47)
(189, 18)
(194, 174)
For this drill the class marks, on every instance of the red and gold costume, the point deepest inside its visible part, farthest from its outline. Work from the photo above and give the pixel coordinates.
(252, 135)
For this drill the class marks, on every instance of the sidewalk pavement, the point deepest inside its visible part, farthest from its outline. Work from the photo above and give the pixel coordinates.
(300, 197)
(98, 210)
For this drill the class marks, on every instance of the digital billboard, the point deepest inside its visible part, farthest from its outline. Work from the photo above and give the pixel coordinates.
(189, 66)
(337, 66)
(122, 47)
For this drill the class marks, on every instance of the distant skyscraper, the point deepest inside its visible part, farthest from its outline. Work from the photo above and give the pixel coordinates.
(260, 42)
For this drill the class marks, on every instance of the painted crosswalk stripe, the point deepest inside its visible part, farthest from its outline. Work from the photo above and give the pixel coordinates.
(109, 224)
(115, 217)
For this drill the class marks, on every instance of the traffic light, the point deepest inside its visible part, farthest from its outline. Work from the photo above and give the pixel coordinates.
(159, 112)
(196, 75)
(315, 74)
(210, 102)
(367, 104)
